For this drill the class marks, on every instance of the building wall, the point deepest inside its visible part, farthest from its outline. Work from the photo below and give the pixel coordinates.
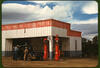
(61, 32)
(40, 29)
(31, 32)
(8, 45)
(65, 44)
(34, 32)
(72, 43)
(21, 33)
(75, 47)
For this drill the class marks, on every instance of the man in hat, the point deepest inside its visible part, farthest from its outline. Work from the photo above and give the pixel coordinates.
(25, 53)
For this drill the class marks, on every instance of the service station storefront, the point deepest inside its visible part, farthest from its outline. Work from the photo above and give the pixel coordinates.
(48, 38)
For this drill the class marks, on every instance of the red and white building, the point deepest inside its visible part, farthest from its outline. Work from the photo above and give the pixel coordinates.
(35, 31)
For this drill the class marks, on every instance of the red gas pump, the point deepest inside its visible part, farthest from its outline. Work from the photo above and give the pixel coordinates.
(45, 50)
(57, 51)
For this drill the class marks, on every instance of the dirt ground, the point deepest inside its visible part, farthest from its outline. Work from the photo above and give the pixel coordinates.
(68, 62)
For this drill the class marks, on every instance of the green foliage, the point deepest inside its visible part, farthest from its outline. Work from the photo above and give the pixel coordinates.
(90, 48)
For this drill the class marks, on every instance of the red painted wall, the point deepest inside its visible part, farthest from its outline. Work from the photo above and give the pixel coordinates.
(43, 23)
(74, 33)
(34, 24)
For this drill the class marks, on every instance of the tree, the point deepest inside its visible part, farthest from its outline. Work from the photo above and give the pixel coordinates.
(95, 45)
(90, 48)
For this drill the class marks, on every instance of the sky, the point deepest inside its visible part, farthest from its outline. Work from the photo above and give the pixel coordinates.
(82, 15)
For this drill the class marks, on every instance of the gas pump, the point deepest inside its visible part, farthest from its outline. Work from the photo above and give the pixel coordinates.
(57, 51)
(45, 49)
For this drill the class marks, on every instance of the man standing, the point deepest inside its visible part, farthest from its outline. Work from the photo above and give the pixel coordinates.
(16, 52)
(26, 53)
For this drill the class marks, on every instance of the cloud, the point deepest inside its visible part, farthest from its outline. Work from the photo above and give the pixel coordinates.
(57, 2)
(88, 30)
(42, 2)
(90, 21)
(90, 8)
(63, 10)
(20, 12)
(90, 36)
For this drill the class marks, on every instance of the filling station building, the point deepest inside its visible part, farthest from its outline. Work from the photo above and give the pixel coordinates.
(34, 32)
